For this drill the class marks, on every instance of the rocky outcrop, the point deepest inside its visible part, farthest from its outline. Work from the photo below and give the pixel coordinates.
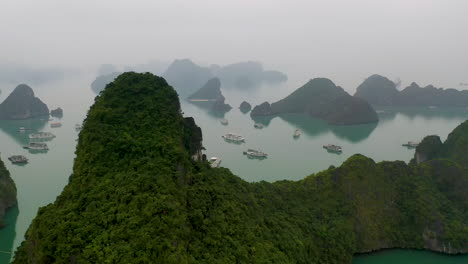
(186, 77)
(57, 112)
(321, 98)
(428, 149)
(22, 104)
(220, 106)
(377, 90)
(7, 192)
(102, 81)
(248, 74)
(245, 107)
(210, 91)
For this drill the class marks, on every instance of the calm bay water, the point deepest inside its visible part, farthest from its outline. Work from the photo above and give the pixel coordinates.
(40, 181)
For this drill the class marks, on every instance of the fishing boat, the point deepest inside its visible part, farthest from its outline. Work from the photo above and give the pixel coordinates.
(259, 125)
(255, 153)
(224, 121)
(18, 159)
(333, 148)
(37, 146)
(41, 135)
(214, 162)
(234, 138)
(410, 144)
(297, 133)
(56, 124)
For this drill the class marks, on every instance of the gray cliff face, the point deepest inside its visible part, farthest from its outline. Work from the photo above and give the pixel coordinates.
(22, 104)
(428, 149)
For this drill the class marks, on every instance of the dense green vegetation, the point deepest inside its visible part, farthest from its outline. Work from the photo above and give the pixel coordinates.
(22, 104)
(321, 98)
(7, 191)
(137, 196)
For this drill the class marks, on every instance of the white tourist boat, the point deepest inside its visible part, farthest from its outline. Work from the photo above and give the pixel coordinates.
(224, 121)
(18, 159)
(297, 133)
(37, 146)
(214, 162)
(41, 135)
(255, 153)
(234, 138)
(411, 144)
(333, 148)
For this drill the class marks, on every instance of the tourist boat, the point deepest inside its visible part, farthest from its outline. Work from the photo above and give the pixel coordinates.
(214, 162)
(333, 148)
(410, 144)
(36, 146)
(78, 127)
(255, 153)
(22, 129)
(18, 159)
(234, 138)
(41, 135)
(224, 121)
(258, 125)
(297, 133)
(56, 124)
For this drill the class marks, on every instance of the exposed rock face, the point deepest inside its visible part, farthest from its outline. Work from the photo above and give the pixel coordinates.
(56, 112)
(102, 81)
(186, 77)
(321, 98)
(263, 109)
(377, 90)
(7, 191)
(245, 107)
(210, 91)
(22, 104)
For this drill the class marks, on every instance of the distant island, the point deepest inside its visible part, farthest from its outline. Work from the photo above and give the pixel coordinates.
(186, 77)
(248, 75)
(57, 112)
(380, 91)
(22, 104)
(245, 107)
(7, 192)
(321, 98)
(139, 182)
(210, 95)
(101, 81)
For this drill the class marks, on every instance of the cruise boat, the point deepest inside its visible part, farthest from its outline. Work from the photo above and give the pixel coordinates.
(234, 138)
(411, 144)
(18, 159)
(214, 162)
(333, 148)
(224, 121)
(255, 153)
(56, 124)
(78, 127)
(22, 129)
(36, 146)
(297, 133)
(41, 135)
(259, 125)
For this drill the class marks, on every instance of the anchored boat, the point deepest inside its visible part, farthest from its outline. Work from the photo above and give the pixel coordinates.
(297, 133)
(56, 124)
(37, 146)
(214, 162)
(259, 125)
(18, 159)
(41, 135)
(224, 121)
(333, 148)
(78, 127)
(255, 153)
(234, 138)
(411, 144)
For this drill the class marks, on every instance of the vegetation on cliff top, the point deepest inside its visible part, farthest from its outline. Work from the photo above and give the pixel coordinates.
(7, 191)
(136, 196)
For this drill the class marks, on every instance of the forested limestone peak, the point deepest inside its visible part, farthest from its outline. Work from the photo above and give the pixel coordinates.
(22, 104)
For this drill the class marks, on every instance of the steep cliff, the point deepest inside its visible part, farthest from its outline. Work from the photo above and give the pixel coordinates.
(7, 191)
(22, 104)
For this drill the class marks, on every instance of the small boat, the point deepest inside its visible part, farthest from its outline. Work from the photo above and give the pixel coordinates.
(41, 135)
(214, 162)
(78, 127)
(224, 121)
(255, 153)
(56, 124)
(36, 146)
(22, 129)
(411, 144)
(234, 138)
(259, 125)
(297, 133)
(333, 148)
(18, 159)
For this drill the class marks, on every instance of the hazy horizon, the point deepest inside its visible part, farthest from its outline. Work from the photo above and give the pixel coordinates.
(421, 41)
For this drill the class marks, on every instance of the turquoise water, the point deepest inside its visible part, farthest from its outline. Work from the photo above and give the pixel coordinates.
(401, 256)
(42, 179)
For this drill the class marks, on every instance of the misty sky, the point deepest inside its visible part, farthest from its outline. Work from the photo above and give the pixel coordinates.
(417, 40)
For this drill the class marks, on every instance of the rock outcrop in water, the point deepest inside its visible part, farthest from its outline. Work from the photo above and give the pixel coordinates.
(186, 77)
(380, 91)
(249, 74)
(321, 98)
(7, 192)
(245, 107)
(210, 91)
(136, 185)
(57, 112)
(22, 104)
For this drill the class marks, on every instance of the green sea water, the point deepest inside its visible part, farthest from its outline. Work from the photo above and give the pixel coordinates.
(42, 179)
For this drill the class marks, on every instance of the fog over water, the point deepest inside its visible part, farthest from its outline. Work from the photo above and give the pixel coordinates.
(418, 40)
